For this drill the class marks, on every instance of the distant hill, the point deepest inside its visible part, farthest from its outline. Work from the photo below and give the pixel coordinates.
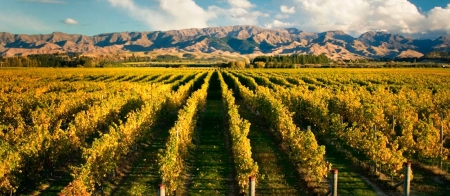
(245, 40)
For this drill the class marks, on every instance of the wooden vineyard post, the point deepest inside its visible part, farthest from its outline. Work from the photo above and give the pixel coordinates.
(252, 186)
(406, 182)
(441, 154)
(406, 185)
(334, 182)
(393, 124)
(161, 190)
(375, 169)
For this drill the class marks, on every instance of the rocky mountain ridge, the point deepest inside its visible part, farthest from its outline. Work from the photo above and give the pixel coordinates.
(245, 40)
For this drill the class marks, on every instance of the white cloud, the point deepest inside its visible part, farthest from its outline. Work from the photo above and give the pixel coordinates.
(359, 16)
(240, 12)
(278, 24)
(70, 21)
(170, 14)
(180, 14)
(352, 16)
(438, 19)
(235, 16)
(44, 1)
(287, 10)
(240, 3)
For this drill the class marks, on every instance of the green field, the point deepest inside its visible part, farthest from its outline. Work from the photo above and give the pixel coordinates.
(205, 131)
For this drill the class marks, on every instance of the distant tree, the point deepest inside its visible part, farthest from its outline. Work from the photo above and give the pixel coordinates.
(236, 64)
(240, 64)
(246, 60)
(288, 61)
(391, 64)
(260, 64)
(232, 64)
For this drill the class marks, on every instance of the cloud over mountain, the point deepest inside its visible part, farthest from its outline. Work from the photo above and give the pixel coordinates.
(413, 18)
(287, 10)
(70, 21)
(176, 14)
(240, 3)
(238, 12)
(168, 14)
(352, 16)
(358, 16)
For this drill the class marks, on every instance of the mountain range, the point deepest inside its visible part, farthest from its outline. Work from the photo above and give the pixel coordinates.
(243, 40)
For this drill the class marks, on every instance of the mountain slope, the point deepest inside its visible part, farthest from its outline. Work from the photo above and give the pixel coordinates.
(246, 40)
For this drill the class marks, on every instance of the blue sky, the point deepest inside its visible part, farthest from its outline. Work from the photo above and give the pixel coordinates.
(417, 18)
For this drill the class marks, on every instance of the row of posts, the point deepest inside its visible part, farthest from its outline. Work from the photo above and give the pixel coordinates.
(334, 183)
(334, 178)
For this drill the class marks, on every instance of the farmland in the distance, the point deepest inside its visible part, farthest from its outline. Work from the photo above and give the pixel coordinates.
(205, 131)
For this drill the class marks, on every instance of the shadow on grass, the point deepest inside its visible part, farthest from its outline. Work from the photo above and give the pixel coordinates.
(349, 182)
(211, 163)
(211, 166)
(277, 176)
(142, 177)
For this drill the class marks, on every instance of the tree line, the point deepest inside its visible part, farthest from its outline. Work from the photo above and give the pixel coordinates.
(289, 60)
(279, 61)
(77, 60)
(48, 60)
(438, 55)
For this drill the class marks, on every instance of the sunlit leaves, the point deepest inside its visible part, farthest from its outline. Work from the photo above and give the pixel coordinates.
(239, 128)
(301, 147)
(171, 159)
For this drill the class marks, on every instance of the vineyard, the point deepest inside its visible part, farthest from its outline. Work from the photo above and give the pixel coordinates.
(205, 131)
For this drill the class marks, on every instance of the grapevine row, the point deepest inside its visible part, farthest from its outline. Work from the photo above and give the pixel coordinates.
(172, 160)
(309, 109)
(301, 146)
(26, 159)
(108, 151)
(240, 144)
(104, 155)
(388, 127)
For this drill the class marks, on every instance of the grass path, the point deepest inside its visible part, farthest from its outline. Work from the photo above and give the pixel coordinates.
(349, 182)
(211, 164)
(276, 175)
(142, 178)
(425, 183)
(54, 184)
